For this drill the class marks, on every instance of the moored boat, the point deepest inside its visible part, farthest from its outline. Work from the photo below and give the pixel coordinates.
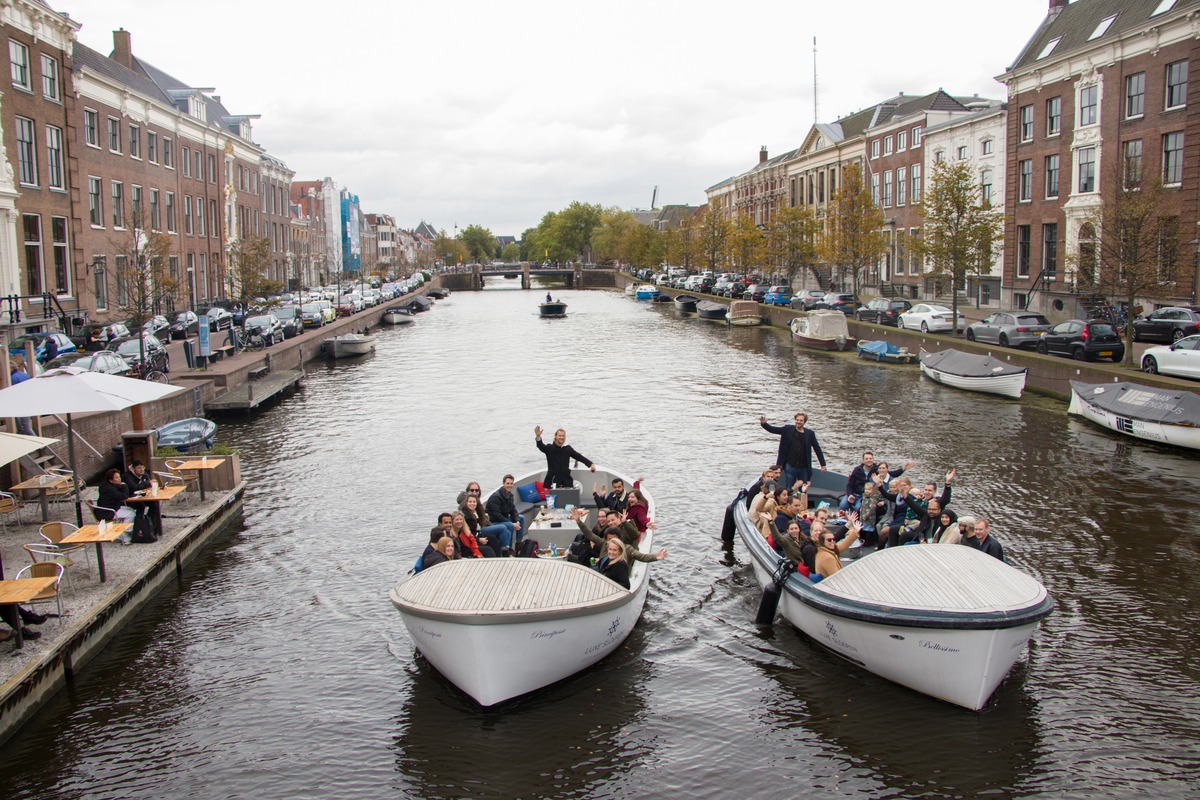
(885, 351)
(439, 293)
(945, 620)
(821, 330)
(646, 292)
(710, 309)
(398, 315)
(744, 313)
(1143, 412)
(420, 303)
(348, 344)
(630, 289)
(974, 372)
(686, 302)
(552, 309)
(539, 621)
(188, 435)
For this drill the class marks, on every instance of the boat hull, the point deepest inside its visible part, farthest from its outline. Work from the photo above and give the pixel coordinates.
(959, 661)
(1151, 431)
(553, 310)
(745, 321)
(188, 435)
(819, 344)
(1011, 386)
(397, 318)
(341, 347)
(686, 303)
(646, 292)
(714, 311)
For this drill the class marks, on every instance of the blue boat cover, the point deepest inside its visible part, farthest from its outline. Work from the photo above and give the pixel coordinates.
(1135, 401)
(879, 348)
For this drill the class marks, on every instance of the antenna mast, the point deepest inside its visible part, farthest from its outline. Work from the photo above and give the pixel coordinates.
(816, 89)
(653, 198)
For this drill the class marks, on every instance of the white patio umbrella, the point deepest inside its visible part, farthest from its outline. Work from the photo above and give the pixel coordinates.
(15, 445)
(74, 391)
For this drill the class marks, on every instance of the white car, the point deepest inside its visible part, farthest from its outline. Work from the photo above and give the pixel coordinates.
(1181, 359)
(929, 318)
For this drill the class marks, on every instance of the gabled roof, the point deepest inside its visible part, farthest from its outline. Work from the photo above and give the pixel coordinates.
(86, 57)
(215, 112)
(1074, 25)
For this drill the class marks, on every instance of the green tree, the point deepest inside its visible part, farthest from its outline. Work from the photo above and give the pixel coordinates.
(449, 250)
(479, 241)
(853, 238)
(511, 253)
(791, 240)
(715, 232)
(747, 244)
(571, 231)
(683, 244)
(959, 228)
(248, 272)
(145, 285)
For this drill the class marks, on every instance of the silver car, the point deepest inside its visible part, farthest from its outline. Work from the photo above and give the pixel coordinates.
(1009, 328)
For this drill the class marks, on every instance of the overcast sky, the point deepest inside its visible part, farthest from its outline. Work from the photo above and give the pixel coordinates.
(496, 112)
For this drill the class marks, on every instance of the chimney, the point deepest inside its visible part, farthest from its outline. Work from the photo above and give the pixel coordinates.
(122, 48)
(1056, 6)
(762, 155)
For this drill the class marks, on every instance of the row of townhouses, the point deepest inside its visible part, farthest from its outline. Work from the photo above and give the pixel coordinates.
(1099, 83)
(99, 148)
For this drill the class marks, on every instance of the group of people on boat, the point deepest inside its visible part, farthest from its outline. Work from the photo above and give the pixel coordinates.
(880, 508)
(476, 529)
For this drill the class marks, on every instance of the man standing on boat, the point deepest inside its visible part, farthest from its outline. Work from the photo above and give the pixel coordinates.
(558, 459)
(796, 447)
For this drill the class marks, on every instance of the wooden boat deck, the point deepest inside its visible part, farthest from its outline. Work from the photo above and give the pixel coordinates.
(935, 577)
(505, 586)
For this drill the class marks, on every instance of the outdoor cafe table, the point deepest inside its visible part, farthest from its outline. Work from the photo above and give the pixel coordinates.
(22, 590)
(200, 465)
(42, 484)
(163, 493)
(91, 533)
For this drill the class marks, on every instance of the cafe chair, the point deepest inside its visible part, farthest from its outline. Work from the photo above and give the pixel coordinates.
(10, 504)
(63, 493)
(97, 509)
(55, 532)
(45, 569)
(40, 552)
(190, 478)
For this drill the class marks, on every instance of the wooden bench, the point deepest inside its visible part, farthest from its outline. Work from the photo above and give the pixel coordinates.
(224, 351)
(258, 372)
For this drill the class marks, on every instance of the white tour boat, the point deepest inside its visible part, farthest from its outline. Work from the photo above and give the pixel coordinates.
(1168, 416)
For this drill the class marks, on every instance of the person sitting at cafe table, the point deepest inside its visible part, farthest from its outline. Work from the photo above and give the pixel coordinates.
(137, 479)
(112, 496)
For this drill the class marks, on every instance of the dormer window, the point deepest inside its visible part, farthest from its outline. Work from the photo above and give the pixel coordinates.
(1102, 28)
(1163, 7)
(1049, 48)
(244, 129)
(196, 108)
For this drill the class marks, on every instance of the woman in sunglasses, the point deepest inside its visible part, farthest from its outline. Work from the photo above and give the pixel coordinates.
(829, 549)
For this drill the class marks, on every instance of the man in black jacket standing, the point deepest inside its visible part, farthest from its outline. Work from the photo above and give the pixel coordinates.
(558, 459)
(796, 447)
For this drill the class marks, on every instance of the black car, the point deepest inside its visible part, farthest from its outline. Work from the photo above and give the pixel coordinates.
(266, 324)
(129, 349)
(734, 290)
(156, 325)
(289, 316)
(838, 301)
(185, 322)
(1166, 325)
(883, 311)
(1083, 340)
(756, 292)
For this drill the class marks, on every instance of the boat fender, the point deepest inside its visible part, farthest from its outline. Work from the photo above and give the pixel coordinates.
(770, 598)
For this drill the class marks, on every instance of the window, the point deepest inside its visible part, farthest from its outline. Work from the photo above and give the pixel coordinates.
(1177, 84)
(820, 189)
(901, 185)
(18, 58)
(963, 152)
(987, 146)
(62, 264)
(135, 141)
(1163, 7)
(1133, 163)
(212, 169)
(95, 208)
(887, 189)
(1172, 173)
(914, 263)
(54, 158)
(114, 134)
(1053, 116)
(916, 137)
(32, 226)
(91, 127)
(199, 173)
(1089, 97)
(1025, 180)
(26, 152)
(887, 145)
(1026, 123)
(1087, 169)
(939, 156)
(901, 141)
(212, 219)
(118, 204)
(199, 216)
(916, 181)
(155, 217)
(1050, 248)
(832, 185)
(187, 215)
(135, 206)
(985, 186)
(121, 265)
(101, 283)
(50, 78)
(168, 153)
(152, 147)
(1049, 48)
(170, 212)
(1102, 28)
(1087, 251)
(1135, 95)
(1052, 176)
(874, 148)
(875, 190)
(185, 160)
(901, 255)
(1023, 234)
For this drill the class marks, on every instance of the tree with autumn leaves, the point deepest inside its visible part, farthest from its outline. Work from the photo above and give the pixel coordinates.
(853, 239)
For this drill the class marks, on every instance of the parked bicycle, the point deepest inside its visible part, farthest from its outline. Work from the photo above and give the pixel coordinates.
(148, 373)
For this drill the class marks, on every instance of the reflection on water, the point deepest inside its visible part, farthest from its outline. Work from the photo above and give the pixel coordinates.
(279, 669)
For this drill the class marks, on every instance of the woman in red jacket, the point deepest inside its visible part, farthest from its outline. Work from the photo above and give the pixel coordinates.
(638, 511)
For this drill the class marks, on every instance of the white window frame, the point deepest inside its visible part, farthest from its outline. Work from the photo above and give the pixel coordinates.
(51, 84)
(20, 70)
(887, 145)
(1079, 117)
(114, 134)
(55, 175)
(91, 134)
(916, 136)
(135, 141)
(901, 141)
(27, 166)
(95, 202)
(1167, 86)
(874, 148)
(1053, 121)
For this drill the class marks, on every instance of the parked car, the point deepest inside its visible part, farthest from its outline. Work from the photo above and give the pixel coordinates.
(219, 318)
(185, 322)
(778, 296)
(930, 318)
(289, 317)
(104, 361)
(312, 316)
(883, 311)
(63, 342)
(838, 301)
(113, 330)
(755, 291)
(266, 324)
(1009, 328)
(1181, 358)
(721, 285)
(1166, 325)
(1083, 340)
(328, 309)
(156, 325)
(807, 298)
(734, 290)
(130, 350)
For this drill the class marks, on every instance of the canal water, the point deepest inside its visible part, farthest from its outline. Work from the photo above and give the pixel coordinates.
(279, 669)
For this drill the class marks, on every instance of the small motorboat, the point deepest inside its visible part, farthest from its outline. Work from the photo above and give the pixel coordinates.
(188, 435)
(537, 621)
(974, 372)
(552, 309)
(349, 344)
(1143, 412)
(744, 313)
(630, 290)
(398, 315)
(821, 330)
(710, 309)
(420, 303)
(686, 302)
(885, 352)
(646, 292)
(439, 293)
(945, 620)
(661, 297)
